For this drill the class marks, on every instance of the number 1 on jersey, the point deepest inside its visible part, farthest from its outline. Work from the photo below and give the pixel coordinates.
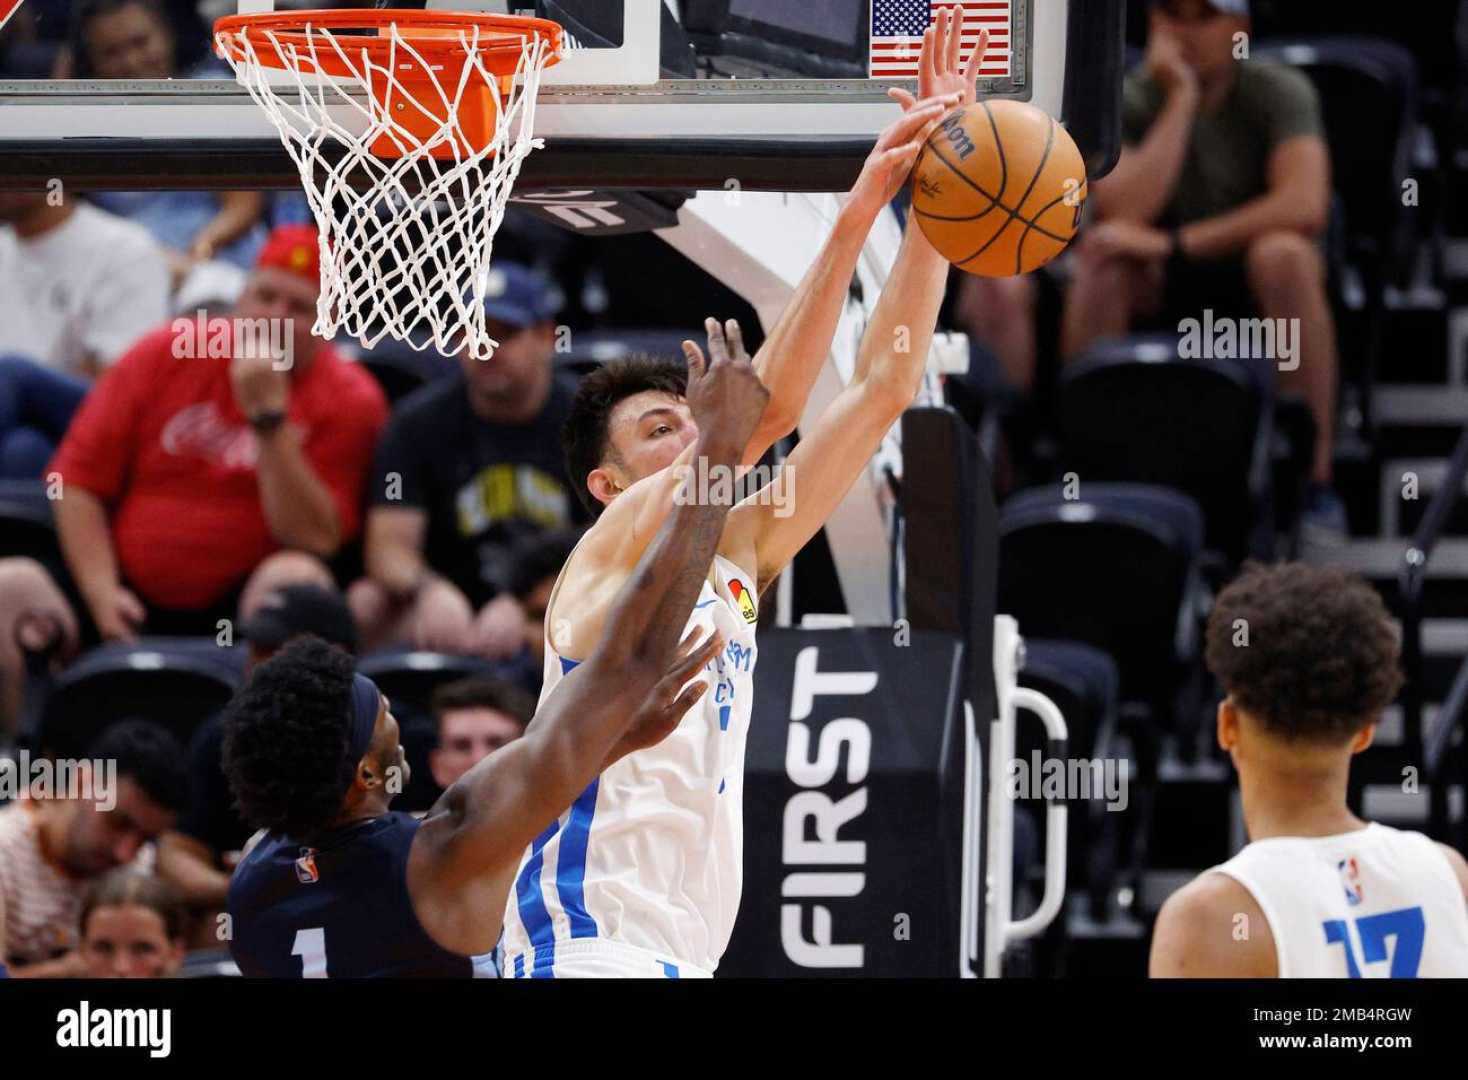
(310, 946)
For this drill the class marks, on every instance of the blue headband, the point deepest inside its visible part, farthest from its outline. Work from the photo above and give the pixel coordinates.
(366, 699)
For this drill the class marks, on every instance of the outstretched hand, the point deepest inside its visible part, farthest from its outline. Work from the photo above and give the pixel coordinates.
(673, 696)
(943, 85)
(939, 72)
(725, 394)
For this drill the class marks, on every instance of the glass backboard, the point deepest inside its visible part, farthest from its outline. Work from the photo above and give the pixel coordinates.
(769, 94)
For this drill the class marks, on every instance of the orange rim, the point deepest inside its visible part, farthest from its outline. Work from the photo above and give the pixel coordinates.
(435, 35)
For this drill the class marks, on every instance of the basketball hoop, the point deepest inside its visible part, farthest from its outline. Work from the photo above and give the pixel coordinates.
(447, 104)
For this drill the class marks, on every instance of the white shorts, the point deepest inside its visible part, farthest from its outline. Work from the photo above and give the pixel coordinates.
(596, 959)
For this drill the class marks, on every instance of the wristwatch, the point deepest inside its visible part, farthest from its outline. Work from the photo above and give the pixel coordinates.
(267, 420)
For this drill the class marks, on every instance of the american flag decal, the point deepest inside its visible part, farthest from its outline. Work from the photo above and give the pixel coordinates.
(897, 35)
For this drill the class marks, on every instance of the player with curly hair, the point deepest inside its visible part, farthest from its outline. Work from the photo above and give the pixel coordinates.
(1308, 659)
(341, 885)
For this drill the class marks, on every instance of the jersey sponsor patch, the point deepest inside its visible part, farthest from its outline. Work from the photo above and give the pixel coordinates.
(743, 599)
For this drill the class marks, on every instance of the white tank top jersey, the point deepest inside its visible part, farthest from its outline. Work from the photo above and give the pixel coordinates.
(642, 875)
(1375, 903)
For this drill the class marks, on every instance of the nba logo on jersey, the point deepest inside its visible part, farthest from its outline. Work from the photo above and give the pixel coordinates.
(1351, 879)
(306, 872)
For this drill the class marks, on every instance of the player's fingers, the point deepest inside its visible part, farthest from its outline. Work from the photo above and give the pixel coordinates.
(902, 97)
(913, 121)
(975, 58)
(687, 700)
(696, 362)
(735, 336)
(695, 661)
(955, 39)
(902, 157)
(718, 348)
(927, 60)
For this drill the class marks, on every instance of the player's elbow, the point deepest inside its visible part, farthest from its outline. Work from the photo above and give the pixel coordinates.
(778, 421)
(885, 400)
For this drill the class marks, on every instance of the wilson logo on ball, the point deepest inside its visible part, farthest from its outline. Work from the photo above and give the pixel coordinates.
(999, 188)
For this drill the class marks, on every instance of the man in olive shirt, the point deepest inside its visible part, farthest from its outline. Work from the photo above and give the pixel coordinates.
(1219, 199)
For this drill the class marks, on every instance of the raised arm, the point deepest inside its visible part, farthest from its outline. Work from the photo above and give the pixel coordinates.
(796, 349)
(484, 822)
(889, 366)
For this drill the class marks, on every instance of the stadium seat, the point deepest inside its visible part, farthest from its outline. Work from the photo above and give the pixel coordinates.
(409, 676)
(1130, 410)
(1085, 684)
(27, 527)
(175, 682)
(1117, 568)
(1365, 84)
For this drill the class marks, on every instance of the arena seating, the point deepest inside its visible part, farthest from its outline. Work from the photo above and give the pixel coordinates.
(1129, 409)
(177, 682)
(1084, 682)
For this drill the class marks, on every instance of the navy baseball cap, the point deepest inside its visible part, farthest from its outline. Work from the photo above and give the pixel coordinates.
(1223, 7)
(301, 609)
(519, 296)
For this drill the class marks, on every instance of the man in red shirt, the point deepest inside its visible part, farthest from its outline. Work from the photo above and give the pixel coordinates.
(218, 460)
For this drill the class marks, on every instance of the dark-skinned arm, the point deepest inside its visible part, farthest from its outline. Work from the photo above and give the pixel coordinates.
(629, 683)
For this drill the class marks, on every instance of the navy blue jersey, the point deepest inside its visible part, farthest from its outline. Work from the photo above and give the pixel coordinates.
(338, 908)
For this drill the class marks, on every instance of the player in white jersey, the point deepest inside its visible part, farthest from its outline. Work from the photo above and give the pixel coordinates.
(641, 876)
(1308, 658)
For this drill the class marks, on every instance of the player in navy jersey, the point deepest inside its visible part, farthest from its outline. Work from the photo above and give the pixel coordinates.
(339, 885)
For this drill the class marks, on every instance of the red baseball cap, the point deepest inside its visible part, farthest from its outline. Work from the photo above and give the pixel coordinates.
(294, 248)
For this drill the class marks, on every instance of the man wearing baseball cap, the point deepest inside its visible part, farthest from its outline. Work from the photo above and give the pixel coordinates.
(221, 457)
(1218, 203)
(468, 467)
(197, 856)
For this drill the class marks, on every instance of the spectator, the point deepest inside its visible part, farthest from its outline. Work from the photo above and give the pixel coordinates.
(52, 848)
(1000, 314)
(35, 615)
(468, 466)
(538, 565)
(198, 856)
(132, 927)
(1221, 196)
(132, 39)
(475, 717)
(193, 484)
(81, 285)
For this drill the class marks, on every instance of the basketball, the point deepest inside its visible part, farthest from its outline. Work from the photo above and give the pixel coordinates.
(999, 187)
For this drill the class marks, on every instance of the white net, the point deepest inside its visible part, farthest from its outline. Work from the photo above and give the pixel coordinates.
(406, 236)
